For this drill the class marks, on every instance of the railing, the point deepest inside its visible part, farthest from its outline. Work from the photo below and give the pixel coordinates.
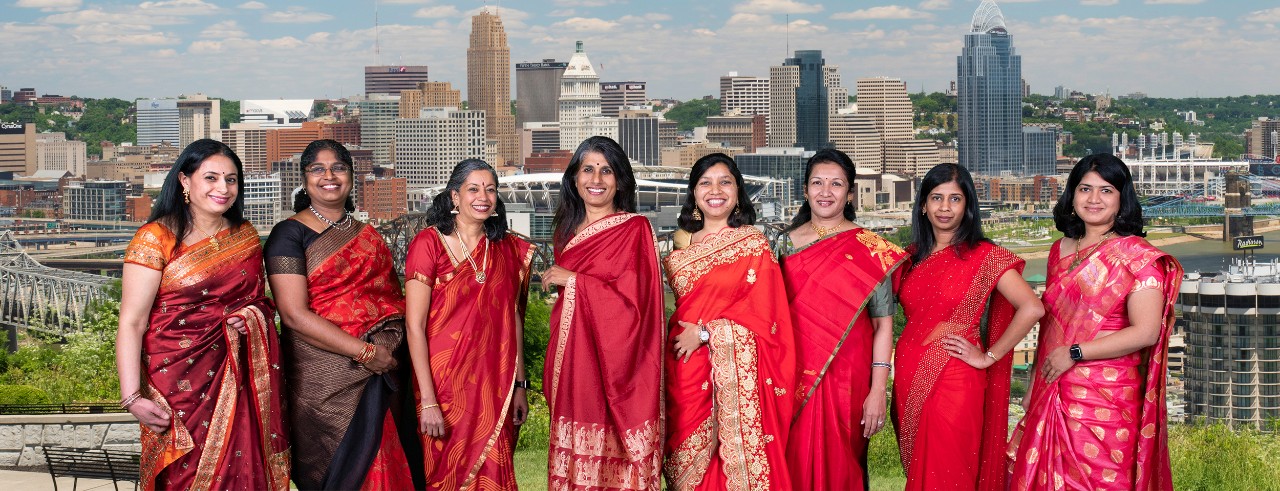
(71, 408)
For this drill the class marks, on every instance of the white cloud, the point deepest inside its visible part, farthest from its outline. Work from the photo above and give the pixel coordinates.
(585, 24)
(1099, 3)
(227, 29)
(164, 53)
(644, 18)
(745, 19)
(97, 16)
(562, 13)
(109, 34)
(1269, 16)
(584, 3)
(701, 32)
(404, 2)
(296, 15)
(50, 5)
(437, 11)
(1173, 2)
(935, 4)
(883, 12)
(252, 6)
(777, 7)
(180, 7)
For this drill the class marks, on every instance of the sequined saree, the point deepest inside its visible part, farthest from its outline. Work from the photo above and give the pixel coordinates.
(729, 407)
(1103, 423)
(603, 374)
(472, 332)
(951, 418)
(221, 388)
(348, 423)
(829, 288)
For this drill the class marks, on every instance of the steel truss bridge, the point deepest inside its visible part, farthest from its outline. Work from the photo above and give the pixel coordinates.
(1191, 201)
(34, 296)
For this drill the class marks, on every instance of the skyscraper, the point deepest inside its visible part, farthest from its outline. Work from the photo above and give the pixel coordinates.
(989, 86)
(615, 96)
(638, 136)
(489, 83)
(428, 146)
(538, 91)
(579, 100)
(885, 101)
(800, 101)
(745, 94)
(198, 117)
(157, 121)
(391, 79)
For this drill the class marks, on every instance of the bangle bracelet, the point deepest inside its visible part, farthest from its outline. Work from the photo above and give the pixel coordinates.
(881, 364)
(128, 401)
(366, 353)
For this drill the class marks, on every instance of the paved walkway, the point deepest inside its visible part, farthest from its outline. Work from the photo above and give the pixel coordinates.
(40, 481)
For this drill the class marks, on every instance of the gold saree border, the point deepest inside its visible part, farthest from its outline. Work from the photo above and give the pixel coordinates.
(740, 431)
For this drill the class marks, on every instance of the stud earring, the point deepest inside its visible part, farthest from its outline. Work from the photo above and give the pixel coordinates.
(697, 214)
(454, 211)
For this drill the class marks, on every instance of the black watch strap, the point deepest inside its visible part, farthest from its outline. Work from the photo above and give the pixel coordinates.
(522, 384)
(1076, 353)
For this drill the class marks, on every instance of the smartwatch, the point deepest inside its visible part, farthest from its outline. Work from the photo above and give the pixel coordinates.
(522, 384)
(1076, 353)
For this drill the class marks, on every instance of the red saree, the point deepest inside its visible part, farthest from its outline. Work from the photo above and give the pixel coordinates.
(829, 286)
(1103, 423)
(729, 406)
(344, 417)
(471, 334)
(603, 375)
(221, 388)
(951, 418)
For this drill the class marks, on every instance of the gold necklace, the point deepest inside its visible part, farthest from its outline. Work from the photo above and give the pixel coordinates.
(823, 232)
(466, 251)
(1076, 261)
(213, 241)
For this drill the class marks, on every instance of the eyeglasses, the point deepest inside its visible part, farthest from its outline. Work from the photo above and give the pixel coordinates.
(319, 170)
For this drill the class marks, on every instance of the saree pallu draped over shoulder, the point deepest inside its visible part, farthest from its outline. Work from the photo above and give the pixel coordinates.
(730, 406)
(951, 418)
(603, 375)
(1102, 424)
(352, 428)
(471, 334)
(829, 286)
(222, 388)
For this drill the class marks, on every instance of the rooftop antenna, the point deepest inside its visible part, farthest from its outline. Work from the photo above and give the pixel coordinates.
(377, 48)
(788, 53)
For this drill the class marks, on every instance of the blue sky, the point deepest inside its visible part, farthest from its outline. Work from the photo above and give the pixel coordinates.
(294, 49)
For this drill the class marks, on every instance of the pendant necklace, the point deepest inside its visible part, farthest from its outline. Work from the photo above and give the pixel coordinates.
(466, 251)
(1076, 261)
(342, 224)
(823, 232)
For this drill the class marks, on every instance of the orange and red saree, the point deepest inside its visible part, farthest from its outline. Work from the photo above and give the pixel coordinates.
(603, 375)
(729, 407)
(952, 418)
(829, 287)
(1103, 423)
(221, 388)
(348, 423)
(473, 336)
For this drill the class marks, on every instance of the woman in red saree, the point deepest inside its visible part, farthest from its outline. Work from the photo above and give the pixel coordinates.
(343, 315)
(196, 351)
(603, 375)
(468, 281)
(967, 307)
(729, 406)
(1096, 416)
(841, 297)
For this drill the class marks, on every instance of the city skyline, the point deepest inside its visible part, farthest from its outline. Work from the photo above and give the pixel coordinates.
(232, 49)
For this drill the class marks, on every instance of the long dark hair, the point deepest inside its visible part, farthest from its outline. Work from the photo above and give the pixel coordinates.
(743, 212)
(827, 156)
(440, 215)
(1112, 169)
(302, 200)
(172, 210)
(969, 235)
(572, 211)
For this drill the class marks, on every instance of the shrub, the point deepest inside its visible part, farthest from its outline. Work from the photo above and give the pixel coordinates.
(1215, 457)
(535, 432)
(22, 394)
(537, 332)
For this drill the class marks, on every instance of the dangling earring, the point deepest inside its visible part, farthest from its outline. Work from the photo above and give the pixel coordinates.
(737, 209)
(454, 211)
(697, 214)
(186, 196)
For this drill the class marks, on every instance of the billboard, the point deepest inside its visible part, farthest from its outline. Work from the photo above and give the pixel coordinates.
(1245, 242)
(7, 128)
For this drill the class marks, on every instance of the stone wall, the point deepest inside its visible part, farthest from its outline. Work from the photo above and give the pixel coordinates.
(22, 435)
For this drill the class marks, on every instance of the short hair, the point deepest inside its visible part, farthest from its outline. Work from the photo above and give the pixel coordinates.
(968, 235)
(744, 213)
(1113, 170)
(572, 211)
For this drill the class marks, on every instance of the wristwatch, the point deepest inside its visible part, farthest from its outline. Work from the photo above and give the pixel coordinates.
(1076, 354)
(522, 384)
(703, 334)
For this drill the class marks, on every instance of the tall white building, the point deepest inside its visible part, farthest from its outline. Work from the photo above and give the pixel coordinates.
(378, 113)
(746, 94)
(262, 200)
(157, 121)
(54, 152)
(429, 146)
(885, 101)
(783, 82)
(198, 117)
(837, 93)
(855, 134)
(249, 142)
(579, 101)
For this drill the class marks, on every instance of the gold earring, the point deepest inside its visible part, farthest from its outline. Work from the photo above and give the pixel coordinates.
(697, 214)
(186, 196)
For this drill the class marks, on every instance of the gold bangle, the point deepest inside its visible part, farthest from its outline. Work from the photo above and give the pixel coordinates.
(424, 407)
(366, 353)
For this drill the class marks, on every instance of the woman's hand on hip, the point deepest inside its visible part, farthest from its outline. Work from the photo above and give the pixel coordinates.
(959, 347)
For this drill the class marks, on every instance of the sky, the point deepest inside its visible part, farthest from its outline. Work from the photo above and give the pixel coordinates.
(266, 49)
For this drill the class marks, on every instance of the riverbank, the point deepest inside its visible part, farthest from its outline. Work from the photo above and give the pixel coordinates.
(1272, 226)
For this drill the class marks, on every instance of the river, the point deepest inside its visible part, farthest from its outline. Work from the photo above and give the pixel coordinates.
(1208, 256)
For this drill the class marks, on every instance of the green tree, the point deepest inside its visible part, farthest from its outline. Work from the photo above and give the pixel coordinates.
(693, 113)
(537, 332)
(229, 112)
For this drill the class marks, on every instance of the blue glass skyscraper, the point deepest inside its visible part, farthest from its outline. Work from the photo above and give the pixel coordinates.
(989, 86)
(812, 130)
